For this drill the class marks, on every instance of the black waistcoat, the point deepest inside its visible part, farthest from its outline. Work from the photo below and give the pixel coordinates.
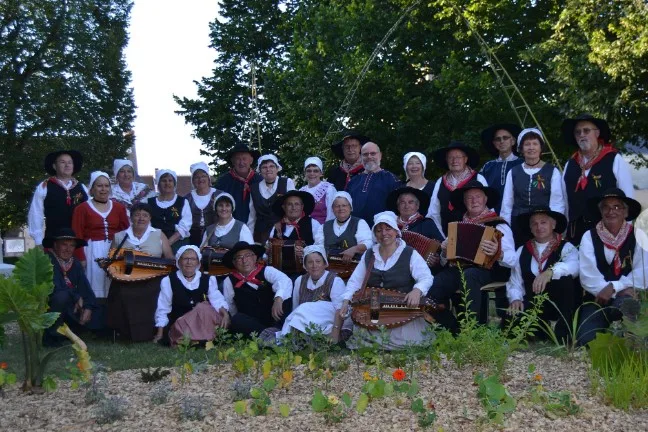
(625, 254)
(185, 300)
(600, 178)
(398, 277)
(305, 231)
(58, 213)
(346, 240)
(525, 264)
(530, 190)
(265, 217)
(254, 302)
(449, 215)
(166, 219)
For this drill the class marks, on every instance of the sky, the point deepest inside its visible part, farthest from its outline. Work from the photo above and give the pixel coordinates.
(167, 51)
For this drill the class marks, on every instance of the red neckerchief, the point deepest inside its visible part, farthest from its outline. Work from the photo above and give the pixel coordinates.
(485, 214)
(65, 268)
(244, 180)
(554, 243)
(56, 181)
(351, 170)
(614, 242)
(584, 166)
(294, 224)
(404, 225)
(468, 172)
(251, 278)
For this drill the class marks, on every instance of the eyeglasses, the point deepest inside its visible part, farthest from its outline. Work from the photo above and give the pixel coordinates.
(502, 138)
(372, 154)
(241, 258)
(616, 207)
(584, 131)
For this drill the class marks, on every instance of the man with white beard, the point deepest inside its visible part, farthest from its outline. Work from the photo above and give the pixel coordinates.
(595, 167)
(369, 190)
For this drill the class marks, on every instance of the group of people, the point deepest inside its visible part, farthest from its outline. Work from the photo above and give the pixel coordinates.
(568, 234)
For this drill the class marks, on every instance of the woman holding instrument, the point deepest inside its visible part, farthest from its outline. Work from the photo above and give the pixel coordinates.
(393, 265)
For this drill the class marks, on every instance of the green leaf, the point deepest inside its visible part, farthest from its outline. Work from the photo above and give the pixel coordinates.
(49, 383)
(319, 402)
(531, 368)
(269, 384)
(34, 269)
(284, 409)
(240, 407)
(257, 393)
(413, 389)
(417, 406)
(389, 389)
(346, 398)
(362, 403)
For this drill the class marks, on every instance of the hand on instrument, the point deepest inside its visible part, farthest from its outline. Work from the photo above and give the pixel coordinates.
(444, 245)
(348, 254)
(277, 309)
(435, 260)
(489, 247)
(541, 281)
(604, 296)
(515, 307)
(413, 298)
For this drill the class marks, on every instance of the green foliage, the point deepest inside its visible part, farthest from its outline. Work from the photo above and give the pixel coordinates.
(332, 409)
(6, 379)
(495, 399)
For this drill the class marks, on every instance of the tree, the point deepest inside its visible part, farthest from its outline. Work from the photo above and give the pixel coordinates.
(65, 85)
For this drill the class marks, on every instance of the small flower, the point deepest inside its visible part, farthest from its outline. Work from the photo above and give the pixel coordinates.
(366, 376)
(399, 374)
(333, 400)
(537, 377)
(80, 366)
(430, 406)
(3, 365)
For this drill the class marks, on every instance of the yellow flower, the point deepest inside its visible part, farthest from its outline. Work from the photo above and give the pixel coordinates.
(367, 376)
(333, 400)
(537, 377)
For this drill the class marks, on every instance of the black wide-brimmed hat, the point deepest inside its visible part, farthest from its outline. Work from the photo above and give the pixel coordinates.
(568, 126)
(63, 234)
(634, 207)
(50, 159)
(488, 134)
(228, 258)
(456, 196)
(243, 148)
(337, 148)
(424, 199)
(524, 219)
(307, 199)
(439, 155)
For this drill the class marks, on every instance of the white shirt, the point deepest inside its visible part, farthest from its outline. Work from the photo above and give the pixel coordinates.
(184, 225)
(337, 290)
(556, 198)
(318, 232)
(434, 211)
(330, 197)
(418, 268)
(281, 285)
(621, 171)
(36, 215)
(119, 194)
(202, 201)
(593, 281)
(566, 266)
(362, 234)
(165, 298)
(266, 192)
(221, 230)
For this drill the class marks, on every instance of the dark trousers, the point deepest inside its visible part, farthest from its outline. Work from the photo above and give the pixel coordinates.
(595, 318)
(246, 324)
(63, 303)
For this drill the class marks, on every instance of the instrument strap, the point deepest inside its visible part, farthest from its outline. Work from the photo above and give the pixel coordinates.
(368, 273)
(209, 233)
(114, 257)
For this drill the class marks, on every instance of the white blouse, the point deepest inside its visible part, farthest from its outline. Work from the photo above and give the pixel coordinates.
(184, 225)
(221, 230)
(266, 192)
(318, 231)
(337, 290)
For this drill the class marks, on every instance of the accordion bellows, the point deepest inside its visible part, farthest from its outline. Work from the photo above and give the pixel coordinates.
(423, 245)
(464, 240)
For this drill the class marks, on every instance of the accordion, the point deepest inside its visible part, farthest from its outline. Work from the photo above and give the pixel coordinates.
(375, 307)
(427, 247)
(212, 261)
(337, 264)
(464, 240)
(135, 266)
(286, 255)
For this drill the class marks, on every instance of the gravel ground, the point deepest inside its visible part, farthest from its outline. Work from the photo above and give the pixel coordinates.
(449, 388)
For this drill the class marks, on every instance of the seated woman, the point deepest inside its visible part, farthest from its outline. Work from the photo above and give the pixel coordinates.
(126, 191)
(131, 305)
(189, 302)
(169, 211)
(226, 231)
(96, 221)
(414, 164)
(347, 234)
(316, 297)
(533, 183)
(322, 191)
(201, 201)
(394, 265)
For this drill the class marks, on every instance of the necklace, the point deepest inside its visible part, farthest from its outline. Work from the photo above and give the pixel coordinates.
(100, 202)
(532, 165)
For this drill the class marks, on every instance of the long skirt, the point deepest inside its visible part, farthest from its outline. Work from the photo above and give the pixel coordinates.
(96, 275)
(319, 313)
(199, 323)
(412, 333)
(131, 308)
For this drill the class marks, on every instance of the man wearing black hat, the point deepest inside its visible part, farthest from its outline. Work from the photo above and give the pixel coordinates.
(240, 178)
(258, 296)
(72, 296)
(500, 141)
(55, 198)
(348, 150)
(410, 205)
(294, 209)
(595, 167)
(459, 161)
(548, 263)
(612, 263)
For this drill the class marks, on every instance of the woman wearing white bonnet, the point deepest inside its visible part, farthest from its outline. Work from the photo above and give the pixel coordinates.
(96, 221)
(264, 194)
(126, 190)
(317, 296)
(346, 235)
(322, 191)
(201, 201)
(393, 265)
(226, 231)
(414, 164)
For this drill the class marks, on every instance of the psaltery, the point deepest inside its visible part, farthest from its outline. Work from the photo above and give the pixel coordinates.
(464, 243)
(130, 265)
(344, 269)
(212, 261)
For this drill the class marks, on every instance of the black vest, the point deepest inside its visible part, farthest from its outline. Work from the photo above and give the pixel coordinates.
(530, 191)
(525, 264)
(346, 240)
(185, 300)
(305, 231)
(207, 214)
(448, 215)
(625, 254)
(58, 214)
(600, 178)
(256, 303)
(398, 278)
(166, 219)
(265, 217)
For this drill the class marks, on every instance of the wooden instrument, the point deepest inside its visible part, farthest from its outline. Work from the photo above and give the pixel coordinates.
(464, 240)
(375, 307)
(135, 266)
(337, 264)
(286, 255)
(212, 261)
(426, 246)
